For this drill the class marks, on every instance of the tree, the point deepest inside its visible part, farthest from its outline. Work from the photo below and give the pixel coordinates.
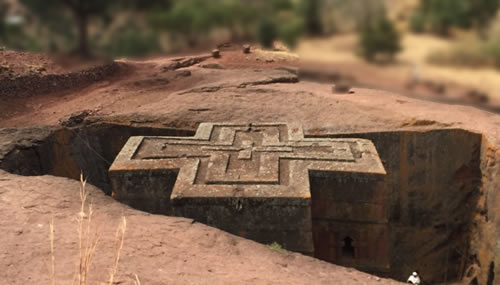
(312, 15)
(441, 15)
(3, 11)
(291, 30)
(482, 12)
(82, 11)
(191, 19)
(379, 38)
(267, 32)
(445, 14)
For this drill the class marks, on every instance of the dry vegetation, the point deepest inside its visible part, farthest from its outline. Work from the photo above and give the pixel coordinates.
(88, 238)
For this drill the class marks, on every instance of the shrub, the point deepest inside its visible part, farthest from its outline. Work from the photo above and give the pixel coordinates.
(418, 22)
(379, 38)
(131, 41)
(441, 15)
(312, 15)
(14, 37)
(267, 33)
(492, 50)
(276, 247)
(291, 31)
(190, 19)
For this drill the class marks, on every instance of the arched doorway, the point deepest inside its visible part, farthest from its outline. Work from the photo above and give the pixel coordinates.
(348, 250)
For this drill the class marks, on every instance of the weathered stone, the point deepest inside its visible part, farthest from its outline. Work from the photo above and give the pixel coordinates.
(212, 66)
(183, 73)
(183, 62)
(341, 88)
(265, 182)
(215, 53)
(246, 49)
(477, 96)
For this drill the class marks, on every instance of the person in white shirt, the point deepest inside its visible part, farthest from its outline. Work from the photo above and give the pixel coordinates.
(414, 279)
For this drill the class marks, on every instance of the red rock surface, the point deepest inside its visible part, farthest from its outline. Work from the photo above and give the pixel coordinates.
(159, 249)
(240, 88)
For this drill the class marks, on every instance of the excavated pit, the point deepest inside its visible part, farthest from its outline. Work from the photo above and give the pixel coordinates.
(433, 185)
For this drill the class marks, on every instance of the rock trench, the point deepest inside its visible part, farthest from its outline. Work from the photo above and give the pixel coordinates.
(435, 188)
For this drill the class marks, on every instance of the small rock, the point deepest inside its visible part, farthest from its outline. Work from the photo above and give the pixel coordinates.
(2, 48)
(292, 70)
(478, 96)
(341, 88)
(440, 88)
(76, 118)
(212, 66)
(183, 73)
(224, 45)
(246, 48)
(216, 53)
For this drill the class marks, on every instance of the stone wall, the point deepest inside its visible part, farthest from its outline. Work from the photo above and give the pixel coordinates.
(350, 225)
(257, 180)
(286, 221)
(442, 187)
(486, 230)
(433, 187)
(67, 152)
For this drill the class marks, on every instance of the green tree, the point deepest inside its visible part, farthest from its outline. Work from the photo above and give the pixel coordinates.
(130, 40)
(448, 13)
(482, 12)
(81, 10)
(379, 38)
(190, 19)
(3, 10)
(312, 16)
(267, 33)
(291, 30)
(441, 15)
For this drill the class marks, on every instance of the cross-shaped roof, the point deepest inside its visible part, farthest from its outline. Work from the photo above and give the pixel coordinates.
(246, 160)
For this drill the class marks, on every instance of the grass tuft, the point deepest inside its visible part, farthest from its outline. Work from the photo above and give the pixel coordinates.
(276, 247)
(52, 256)
(119, 238)
(87, 242)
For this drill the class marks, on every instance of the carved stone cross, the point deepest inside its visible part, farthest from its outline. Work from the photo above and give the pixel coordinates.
(253, 180)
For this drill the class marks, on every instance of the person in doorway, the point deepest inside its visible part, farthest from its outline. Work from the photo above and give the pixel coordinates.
(414, 279)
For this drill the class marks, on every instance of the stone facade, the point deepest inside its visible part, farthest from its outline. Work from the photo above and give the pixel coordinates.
(266, 182)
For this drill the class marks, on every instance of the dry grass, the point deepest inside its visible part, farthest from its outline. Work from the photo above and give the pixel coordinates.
(87, 242)
(88, 238)
(137, 281)
(416, 51)
(52, 256)
(469, 51)
(119, 237)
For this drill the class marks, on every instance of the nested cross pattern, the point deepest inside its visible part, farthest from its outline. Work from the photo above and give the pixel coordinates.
(259, 158)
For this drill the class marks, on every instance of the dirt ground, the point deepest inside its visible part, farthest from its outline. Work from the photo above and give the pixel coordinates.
(158, 249)
(189, 90)
(440, 83)
(182, 92)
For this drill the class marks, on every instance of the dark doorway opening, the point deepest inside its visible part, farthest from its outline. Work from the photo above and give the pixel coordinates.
(348, 248)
